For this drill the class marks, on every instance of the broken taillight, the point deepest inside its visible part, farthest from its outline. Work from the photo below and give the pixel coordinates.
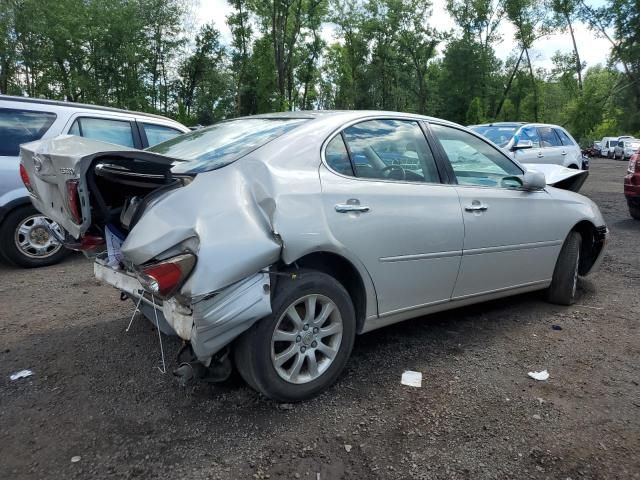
(165, 277)
(25, 178)
(73, 201)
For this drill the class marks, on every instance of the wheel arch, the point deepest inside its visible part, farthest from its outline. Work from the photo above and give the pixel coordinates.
(592, 244)
(344, 271)
(7, 208)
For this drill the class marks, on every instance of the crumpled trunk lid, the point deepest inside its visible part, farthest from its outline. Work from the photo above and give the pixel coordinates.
(51, 164)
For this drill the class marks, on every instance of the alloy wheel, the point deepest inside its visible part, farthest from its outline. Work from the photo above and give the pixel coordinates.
(306, 339)
(33, 237)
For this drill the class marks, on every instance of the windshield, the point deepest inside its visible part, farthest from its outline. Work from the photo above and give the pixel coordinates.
(500, 135)
(222, 143)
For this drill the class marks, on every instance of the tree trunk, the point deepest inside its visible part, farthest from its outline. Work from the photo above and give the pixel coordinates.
(575, 49)
(534, 85)
(508, 87)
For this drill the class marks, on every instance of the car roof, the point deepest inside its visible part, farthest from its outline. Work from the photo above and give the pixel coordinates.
(499, 124)
(73, 105)
(346, 115)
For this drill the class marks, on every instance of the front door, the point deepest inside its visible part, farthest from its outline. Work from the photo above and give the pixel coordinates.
(385, 203)
(510, 238)
(534, 154)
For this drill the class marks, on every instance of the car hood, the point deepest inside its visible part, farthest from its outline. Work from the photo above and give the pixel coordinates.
(560, 177)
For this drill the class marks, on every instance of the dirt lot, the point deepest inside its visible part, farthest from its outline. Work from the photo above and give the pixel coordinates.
(97, 393)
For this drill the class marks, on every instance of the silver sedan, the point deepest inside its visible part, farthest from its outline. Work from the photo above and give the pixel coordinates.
(271, 241)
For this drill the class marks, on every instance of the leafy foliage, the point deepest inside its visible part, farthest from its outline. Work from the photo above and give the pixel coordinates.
(331, 54)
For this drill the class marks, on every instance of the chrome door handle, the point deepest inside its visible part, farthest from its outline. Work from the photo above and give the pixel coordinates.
(564, 153)
(346, 208)
(540, 155)
(476, 208)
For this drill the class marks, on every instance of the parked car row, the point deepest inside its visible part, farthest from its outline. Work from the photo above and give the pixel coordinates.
(25, 238)
(621, 147)
(535, 143)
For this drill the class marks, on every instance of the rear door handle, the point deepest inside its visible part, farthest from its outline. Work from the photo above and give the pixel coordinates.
(540, 154)
(564, 153)
(476, 208)
(346, 208)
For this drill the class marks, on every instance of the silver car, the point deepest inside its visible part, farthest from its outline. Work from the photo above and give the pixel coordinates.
(625, 148)
(534, 143)
(274, 240)
(24, 237)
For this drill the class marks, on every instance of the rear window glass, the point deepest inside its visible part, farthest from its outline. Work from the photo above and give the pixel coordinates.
(223, 143)
(21, 126)
(564, 138)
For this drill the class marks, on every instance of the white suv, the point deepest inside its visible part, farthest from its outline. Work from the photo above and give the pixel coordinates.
(24, 232)
(534, 143)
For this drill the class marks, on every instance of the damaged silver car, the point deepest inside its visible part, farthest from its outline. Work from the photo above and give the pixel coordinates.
(271, 241)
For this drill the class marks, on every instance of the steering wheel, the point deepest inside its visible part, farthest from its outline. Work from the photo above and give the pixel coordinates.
(390, 169)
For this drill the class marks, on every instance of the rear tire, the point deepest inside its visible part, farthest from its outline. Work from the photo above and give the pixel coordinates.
(25, 243)
(303, 346)
(634, 212)
(562, 290)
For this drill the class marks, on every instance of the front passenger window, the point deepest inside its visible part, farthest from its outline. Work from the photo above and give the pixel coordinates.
(473, 160)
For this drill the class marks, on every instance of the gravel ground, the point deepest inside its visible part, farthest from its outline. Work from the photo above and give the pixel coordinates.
(97, 394)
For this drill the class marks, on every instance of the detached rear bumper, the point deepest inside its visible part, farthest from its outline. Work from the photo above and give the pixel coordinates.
(209, 324)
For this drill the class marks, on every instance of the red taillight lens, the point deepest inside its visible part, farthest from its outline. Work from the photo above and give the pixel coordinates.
(73, 201)
(25, 178)
(165, 277)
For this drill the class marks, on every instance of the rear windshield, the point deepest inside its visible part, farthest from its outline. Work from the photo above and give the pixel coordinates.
(223, 143)
(21, 126)
(500, 135)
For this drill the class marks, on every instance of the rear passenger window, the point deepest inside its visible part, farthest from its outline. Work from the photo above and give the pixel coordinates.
(391, 150)
(104, 129)
(21, 126)
(159, 133)
(564, 138)
(337, 156)
(548, 137)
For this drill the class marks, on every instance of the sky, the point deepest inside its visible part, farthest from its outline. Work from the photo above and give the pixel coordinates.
(592, 50)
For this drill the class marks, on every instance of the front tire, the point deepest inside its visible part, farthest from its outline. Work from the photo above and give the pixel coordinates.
(303, 346)
(562, 290)
(25, 240)
(634, 212)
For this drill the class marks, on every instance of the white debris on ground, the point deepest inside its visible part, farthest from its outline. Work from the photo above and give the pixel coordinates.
(21, 374)
(412, 379)
(541, 376)
(75, 459)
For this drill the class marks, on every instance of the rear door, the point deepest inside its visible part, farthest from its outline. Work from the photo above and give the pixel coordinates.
(551, 146)
(570, 149)
(385, 203)
(510, 239)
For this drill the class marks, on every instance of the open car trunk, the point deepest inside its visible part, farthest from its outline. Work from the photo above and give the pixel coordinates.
(84, 185)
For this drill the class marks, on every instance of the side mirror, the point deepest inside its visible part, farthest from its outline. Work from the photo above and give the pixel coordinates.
(522, 144)
(533, 180)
